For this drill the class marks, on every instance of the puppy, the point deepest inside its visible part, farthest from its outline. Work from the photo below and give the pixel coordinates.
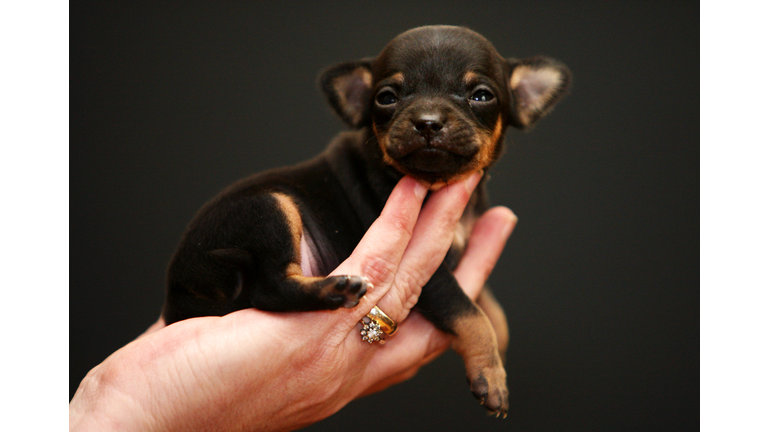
(435, 105)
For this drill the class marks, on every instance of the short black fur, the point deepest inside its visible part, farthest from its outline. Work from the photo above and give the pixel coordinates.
(241, 250)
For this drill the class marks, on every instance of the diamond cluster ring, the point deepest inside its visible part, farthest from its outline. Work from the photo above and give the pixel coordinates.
(375, 325)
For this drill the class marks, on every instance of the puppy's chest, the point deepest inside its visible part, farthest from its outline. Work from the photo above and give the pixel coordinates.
(317, 258)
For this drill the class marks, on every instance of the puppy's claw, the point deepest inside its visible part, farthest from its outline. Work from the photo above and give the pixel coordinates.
(502, 413)
(489, 387)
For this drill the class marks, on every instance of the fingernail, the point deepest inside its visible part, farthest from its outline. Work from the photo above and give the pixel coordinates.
(511, 222)
(512, 218)
(471, 182)
(420, 190)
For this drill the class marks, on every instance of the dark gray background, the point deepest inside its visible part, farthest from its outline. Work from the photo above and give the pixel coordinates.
(171, 103)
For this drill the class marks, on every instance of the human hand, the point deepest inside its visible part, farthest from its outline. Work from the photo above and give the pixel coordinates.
(257, 370)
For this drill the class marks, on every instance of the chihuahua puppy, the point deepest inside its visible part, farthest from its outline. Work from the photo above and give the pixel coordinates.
(434, 104)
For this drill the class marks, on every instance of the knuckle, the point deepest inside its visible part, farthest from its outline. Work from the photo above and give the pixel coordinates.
(410, 300)
(447, 226)
(400, 222)
(444, 228)
(408, 284)
(378, 269)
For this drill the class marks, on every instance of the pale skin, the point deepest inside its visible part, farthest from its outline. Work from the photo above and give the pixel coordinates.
(261, 371)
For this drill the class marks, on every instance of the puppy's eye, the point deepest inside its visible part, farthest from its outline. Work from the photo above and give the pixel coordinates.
(482, 96)
(386, 98)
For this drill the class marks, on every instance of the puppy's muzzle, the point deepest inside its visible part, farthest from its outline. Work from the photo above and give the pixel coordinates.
(432, 142)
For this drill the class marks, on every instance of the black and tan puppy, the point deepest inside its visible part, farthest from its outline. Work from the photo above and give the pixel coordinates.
(434, 105)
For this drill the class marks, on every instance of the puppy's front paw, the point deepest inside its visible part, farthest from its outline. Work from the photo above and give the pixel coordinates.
(344, 291)
(490, 387)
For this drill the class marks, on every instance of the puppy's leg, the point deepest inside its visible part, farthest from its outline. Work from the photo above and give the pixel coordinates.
(245, 252)
(302, 292)
(444, 304)
(295, 292)
(498, 318)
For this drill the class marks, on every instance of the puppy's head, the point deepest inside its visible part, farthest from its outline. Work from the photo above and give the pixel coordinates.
(439, 99)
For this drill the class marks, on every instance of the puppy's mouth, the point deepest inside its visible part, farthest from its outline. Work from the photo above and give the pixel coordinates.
(436, 160)
(432, 160)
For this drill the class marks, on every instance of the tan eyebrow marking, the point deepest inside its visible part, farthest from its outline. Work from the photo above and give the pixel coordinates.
(397, 78)
(469, 77)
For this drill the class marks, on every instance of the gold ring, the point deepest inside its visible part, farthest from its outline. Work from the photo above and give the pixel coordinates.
(375, 324)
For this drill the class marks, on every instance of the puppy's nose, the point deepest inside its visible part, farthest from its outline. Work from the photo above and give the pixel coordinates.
(427, 125)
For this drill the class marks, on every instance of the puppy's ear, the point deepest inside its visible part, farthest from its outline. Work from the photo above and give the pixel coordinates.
(537, 84)
(347, 87)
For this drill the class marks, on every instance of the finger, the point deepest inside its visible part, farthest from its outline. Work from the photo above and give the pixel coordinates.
(381, 248)
(485, 245)
(379, 252)
(409, 351)
(432, 237)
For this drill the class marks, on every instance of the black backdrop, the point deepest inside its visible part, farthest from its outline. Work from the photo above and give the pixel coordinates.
(171, 103)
